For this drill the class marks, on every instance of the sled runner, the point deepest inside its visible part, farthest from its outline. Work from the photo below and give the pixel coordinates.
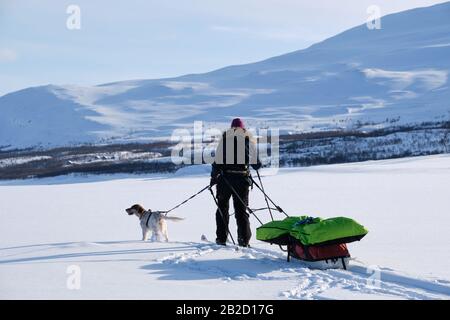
(320, 242)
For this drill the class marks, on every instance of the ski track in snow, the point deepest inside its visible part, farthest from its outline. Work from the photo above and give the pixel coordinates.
(311, 283)
(246, 264)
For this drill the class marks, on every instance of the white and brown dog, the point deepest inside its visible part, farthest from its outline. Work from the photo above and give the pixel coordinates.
(154, 221)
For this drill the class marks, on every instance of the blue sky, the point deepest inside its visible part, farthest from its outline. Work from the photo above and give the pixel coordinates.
(122, 40)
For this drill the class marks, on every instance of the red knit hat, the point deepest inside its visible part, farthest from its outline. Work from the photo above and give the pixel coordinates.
(237, 123)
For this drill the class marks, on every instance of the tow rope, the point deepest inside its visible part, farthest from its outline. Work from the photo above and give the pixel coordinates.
(268, 198)
(265, 197)
(251, 211)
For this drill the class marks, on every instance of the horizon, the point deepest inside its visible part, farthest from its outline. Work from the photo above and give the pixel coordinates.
(60, 56)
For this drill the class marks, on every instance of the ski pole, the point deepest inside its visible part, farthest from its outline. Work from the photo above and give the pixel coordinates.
(221, 214)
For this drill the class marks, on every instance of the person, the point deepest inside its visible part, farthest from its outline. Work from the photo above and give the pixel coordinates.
(235, 153)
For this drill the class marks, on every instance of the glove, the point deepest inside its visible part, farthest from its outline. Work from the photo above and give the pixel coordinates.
(257, 166)
(214, 180)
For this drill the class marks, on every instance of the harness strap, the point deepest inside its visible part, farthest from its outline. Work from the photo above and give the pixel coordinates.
(148, 218)
(150, 215)
(244, 173)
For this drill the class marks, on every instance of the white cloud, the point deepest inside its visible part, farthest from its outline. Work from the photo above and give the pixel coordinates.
(7, 55)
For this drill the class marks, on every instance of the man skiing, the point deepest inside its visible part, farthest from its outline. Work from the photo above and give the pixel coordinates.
(235, 152)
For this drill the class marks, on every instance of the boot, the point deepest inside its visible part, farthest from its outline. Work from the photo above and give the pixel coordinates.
(221, 243)
(243, 243)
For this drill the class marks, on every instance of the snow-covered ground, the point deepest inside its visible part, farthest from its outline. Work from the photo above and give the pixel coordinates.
(49, 225)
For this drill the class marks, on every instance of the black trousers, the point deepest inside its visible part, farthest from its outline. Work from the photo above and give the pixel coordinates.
(241, 185)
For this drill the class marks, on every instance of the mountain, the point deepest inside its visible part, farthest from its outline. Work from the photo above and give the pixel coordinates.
(360, 78)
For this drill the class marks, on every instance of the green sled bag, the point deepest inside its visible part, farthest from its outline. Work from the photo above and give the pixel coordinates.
(278, 231)
(311, 231)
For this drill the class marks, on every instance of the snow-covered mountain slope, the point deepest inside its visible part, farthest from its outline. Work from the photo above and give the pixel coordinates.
(399, 72)
(48, 225)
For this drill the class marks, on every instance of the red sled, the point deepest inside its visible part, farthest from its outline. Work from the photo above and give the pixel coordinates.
(321, 256)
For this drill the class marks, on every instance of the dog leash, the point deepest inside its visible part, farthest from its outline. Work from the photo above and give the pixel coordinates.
(180, 204)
